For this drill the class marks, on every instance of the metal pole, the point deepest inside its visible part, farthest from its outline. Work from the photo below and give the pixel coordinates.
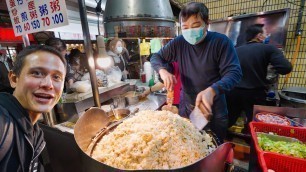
(25, 39)
(89, 54)
(141, 65)
(300, 17)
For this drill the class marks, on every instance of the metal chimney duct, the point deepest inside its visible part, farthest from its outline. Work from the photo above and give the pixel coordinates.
(139, 18)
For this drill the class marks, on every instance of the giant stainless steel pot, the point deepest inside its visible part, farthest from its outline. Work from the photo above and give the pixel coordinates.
(96, 119)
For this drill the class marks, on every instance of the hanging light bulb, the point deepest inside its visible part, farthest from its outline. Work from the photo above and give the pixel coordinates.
(103, 60)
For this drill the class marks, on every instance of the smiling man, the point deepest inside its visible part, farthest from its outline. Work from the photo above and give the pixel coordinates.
(208, 66)
(38, 78)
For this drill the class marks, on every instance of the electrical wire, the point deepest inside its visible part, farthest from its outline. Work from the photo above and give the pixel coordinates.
(263, 5)
(294, 3)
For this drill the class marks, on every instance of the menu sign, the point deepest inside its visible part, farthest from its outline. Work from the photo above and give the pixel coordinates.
(29, 16)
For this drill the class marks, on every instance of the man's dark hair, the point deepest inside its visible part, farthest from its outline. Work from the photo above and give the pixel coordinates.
(20, 59)
(56, 43)
(194, 8)
(253, 30)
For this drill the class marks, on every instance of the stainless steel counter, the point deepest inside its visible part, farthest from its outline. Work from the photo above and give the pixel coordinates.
(152, 102)
(77, 103)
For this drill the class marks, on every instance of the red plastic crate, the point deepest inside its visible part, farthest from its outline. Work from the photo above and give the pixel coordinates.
(281, 163)
(275, 161)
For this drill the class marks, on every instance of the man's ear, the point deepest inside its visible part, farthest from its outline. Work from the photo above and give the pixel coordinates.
(13, 79)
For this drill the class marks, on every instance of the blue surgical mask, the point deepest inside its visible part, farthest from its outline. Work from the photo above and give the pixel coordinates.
(119, 49)
(194, 35)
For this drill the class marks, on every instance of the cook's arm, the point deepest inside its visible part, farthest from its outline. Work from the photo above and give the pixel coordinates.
(229, 68)
(166, 54)
(278, 61)
(230, 71)
(158, 86)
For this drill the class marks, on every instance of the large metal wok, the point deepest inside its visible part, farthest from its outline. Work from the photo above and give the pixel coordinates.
(96, 119)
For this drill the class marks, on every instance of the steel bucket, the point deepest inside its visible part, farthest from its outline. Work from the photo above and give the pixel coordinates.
(95, 119)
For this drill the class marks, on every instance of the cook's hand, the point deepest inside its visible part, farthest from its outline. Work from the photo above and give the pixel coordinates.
(205, 100)
(145, 93)
(168, 78)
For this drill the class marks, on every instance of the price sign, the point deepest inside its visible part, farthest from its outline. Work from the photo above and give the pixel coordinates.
(29, 16)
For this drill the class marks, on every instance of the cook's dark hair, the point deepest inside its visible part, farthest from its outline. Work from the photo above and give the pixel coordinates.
(194, 8)
(56, 43)
(253, 30)
(20, 59)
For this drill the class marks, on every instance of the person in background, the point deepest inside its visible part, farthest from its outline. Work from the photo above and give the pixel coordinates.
(77, 71)
(38, 78)
(5, 66)
(254, 57)
(116, 47)
(208, 66)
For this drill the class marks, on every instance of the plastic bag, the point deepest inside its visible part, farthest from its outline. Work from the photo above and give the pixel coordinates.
(114, 75)
(81, 86)
(99, 74)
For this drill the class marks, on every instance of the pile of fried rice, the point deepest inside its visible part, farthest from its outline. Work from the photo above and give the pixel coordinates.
(153, 140)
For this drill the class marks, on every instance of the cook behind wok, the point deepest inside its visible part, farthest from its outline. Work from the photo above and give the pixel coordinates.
(208, 65)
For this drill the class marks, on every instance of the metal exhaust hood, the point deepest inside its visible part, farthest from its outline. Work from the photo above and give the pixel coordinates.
(139, 18)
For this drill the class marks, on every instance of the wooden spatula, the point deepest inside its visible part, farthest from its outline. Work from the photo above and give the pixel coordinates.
(169, 106)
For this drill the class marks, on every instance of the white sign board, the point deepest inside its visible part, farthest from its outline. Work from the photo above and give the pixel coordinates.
(30, 16)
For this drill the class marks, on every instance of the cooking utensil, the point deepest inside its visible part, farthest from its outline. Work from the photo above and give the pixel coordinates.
(132, 98)
(198, 118)
(117, 114)
(170, 97)
(88, 124)
(119, 102)
(169, 106)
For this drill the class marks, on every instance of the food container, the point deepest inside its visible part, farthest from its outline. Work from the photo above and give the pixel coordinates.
(119, 114)
(95, 119)
(132, 97)
(293, 97)
(272, 118)
(299, 122)
(119, 102)
(275, 161)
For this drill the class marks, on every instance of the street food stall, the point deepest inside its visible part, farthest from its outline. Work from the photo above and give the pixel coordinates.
(82, 131)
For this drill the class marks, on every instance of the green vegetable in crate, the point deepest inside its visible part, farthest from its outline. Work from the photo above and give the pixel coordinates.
(295, 149)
